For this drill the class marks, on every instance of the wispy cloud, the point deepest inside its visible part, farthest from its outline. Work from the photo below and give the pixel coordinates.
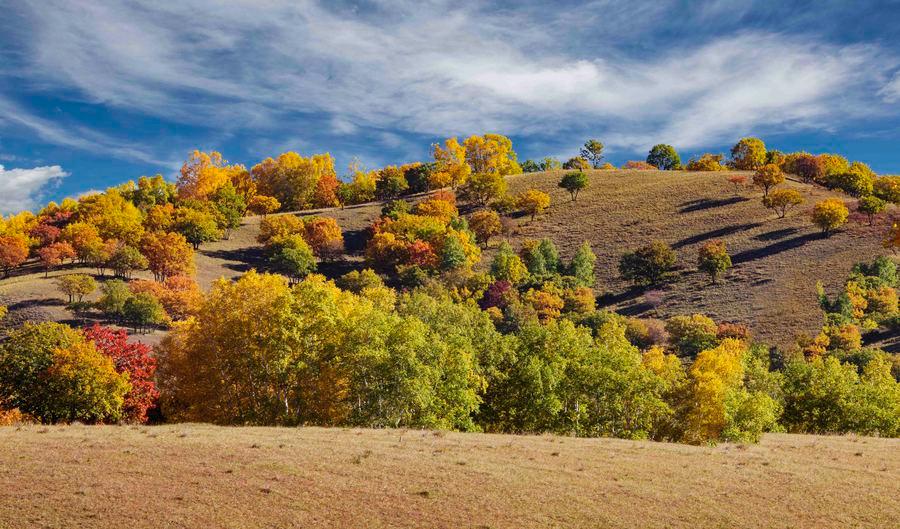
(440, 68)
(21, 189)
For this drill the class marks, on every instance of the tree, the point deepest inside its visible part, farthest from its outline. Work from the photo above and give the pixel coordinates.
(713, 259)
(577, 163)
(782, 200)
(453, 255)
(324, 236)
(135, 359)
(485, 224)
(887, 188)
(830, 214)
(582, 266)
(196, 226)
(13, 252)
(592, 151)
(168, 254)
(180, 296)
(858, 180)
(294, 257)
(892, 238)
(491, 153)
(541, 258)
(76, 286)
(143, 310)
(533, 202)
(51, 372)
(748, 154)
(550, 164)
(808, 167)
(298, 182)
(507, 266)
(391, 183)
(481, 188)
(573, 183)
(114, 294)
(450, 168)
(126, 259)
(530, 166)
(84, 238)
(113, 215)
(768, 176)
(263, 205)
(201, 175)
(230, 206)
(738, 181)
(649, 264)
(871, 206)
(664, 157)
(55, 255)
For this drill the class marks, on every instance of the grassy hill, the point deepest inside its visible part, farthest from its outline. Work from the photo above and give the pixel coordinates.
(771, 287)
(205, 476)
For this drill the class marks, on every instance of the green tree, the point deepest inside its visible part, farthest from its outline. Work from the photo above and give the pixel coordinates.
(691, 334)
(573, 183)
(453, 255)
(871, 206)
(293, 257)
(196, 226)
(582, 266)
(114, 295)
(541, 258)
(143, 310)
(76, 286)
(664, 157)
(231, 207)
(649, 264)
(592, 151)
(713, 259)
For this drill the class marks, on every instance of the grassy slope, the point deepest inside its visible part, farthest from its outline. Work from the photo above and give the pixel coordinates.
(771, 288)
(204, 476)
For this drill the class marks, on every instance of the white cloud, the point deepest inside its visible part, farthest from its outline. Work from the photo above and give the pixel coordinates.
(439, 68)
(891, 91)
(21, 189)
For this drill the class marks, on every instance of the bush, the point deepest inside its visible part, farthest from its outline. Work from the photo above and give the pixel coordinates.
(713, 259)
(648, 265)
(887, 188)
(578, 163)
(830, 214)
(707, 162)
(638, 165)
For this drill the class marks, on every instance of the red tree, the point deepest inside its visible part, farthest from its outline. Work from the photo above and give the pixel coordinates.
(135, 359)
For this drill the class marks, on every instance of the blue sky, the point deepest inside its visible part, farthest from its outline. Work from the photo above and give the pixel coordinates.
(97, 92)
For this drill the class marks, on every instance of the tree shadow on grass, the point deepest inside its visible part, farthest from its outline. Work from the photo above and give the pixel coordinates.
(243, 259)
(714, 234)
(709, 203)
(609, 299)
(773, 249)
(776, 235)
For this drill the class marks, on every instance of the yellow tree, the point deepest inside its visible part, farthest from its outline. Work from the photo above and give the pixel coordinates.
(451, 168)
(491, 153)
(713, 374)
(202, 174)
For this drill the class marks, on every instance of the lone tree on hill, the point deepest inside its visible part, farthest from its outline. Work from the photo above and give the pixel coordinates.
(664, 157)
(573, 183)
(829, 215)
(782, 200)
(714, 259)
(768, 176)
(592, 151)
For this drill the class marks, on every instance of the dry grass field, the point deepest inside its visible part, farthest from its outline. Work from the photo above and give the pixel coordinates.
(182, 476)
(771, 287)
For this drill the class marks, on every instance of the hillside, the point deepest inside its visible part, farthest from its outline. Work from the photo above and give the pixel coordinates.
(777, 262)
(205, 476)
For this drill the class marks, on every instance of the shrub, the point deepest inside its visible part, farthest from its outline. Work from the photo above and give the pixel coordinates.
(577, 163)
(887, 188)
(533, 202)
(713, 259)
(395, 208)
(573, 183)
(263, 205)
(707, 162)
(858, 180)
(649, 264)
(665, 157)
(638, 165)
(782, 200)
(871, 206)
(738, 181)
(767, 177)
(748, 154)
(830, 214)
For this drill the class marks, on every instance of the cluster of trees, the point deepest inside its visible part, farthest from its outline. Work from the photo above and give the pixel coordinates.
(656, 262)
(51, 372)
(295, 243)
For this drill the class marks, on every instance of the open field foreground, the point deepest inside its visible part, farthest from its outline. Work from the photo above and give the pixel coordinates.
(205, 476)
